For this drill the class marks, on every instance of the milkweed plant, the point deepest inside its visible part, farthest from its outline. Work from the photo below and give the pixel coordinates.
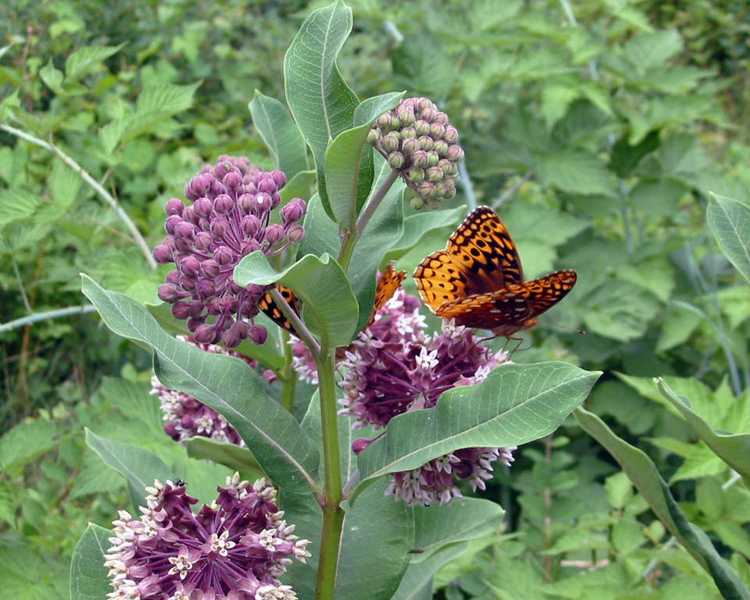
(273, 286)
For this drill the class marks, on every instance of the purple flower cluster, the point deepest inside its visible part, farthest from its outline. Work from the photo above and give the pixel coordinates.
(234, 549)
(394, 367)
(419, 141)
(186, 417)
(230, 217)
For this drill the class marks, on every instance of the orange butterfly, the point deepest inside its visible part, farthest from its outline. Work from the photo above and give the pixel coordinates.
(389, 281)
(478, 280)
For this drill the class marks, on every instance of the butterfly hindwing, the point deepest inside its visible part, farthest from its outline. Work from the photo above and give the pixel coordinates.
(510, 308)
(270, 308)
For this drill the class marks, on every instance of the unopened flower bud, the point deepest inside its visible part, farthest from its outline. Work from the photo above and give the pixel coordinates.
(396, 160)
(167, 292)
(203, 207)
(205, 334)
(223, 203)
(251, 225)
(295, 233)
(162, 254)
(293, 211)
(391, 142)
(274, 233)
(174, 206)
(258, 334)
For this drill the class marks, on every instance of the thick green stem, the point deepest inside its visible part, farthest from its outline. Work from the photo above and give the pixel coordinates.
(288, 375)
(333, 514)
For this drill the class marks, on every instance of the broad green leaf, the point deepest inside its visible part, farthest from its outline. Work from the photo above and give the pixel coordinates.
(346, 156)
(618, 310)
(16, 204)
(298, 186)
(280, 133)
(321, 233)
(677, 325)
(417, 581)
(648, 50)
(224, 383)
(230, 455)
(729, 221)
(320, 100)
(374, 551)
(419, 225)
(140, 467)
(516, 404)
(644, 475)
(458, 521)
(383, 230)
(86, 59)
(88, 575)
(329, 306)
(733, 448)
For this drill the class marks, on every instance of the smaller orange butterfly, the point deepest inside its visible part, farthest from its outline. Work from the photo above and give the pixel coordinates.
(478, 281)
(389, 281)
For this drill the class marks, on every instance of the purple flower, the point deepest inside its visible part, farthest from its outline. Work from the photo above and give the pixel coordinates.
(234, 549)
(186, 417)
(391, 370)
(230, 217)
(419, 141)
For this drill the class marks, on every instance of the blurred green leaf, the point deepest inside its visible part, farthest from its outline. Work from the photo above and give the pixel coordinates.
(230, 455)
(86, 59)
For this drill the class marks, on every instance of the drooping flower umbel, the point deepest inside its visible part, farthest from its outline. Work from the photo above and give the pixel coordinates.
(419, 141)
(234, 549)
(185, 416)
(230, 217)
(393, 369)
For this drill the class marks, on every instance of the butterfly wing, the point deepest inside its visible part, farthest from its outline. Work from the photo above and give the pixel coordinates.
(270, 308)
(388, 283)
(511, 308)
(480, 257)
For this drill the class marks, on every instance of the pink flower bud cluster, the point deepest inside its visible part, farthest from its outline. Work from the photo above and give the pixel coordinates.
(230, 217)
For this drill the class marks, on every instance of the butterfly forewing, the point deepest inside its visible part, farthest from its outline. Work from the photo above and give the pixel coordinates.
(480, 257)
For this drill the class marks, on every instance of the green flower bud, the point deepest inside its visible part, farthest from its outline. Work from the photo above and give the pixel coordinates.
(420, 159)
(435, 174)
(391, 141)
(384, 121)
(373, 137)
(451, 134)
(432, 159)
(415, 175)
(437, 131)
(426, 142)
(441, 148)
(422, 127)
(408, 133)
(455, 153)
(409, 145)
(396, 160)
(416, 202)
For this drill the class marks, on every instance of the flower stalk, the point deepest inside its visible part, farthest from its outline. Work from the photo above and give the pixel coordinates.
(333, 514)
(288, 374)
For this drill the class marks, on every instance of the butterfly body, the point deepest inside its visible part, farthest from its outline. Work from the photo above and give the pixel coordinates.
(477, 280)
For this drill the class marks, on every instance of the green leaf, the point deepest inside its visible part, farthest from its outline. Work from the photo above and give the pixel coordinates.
(649, 50)
(329, 306)
(458, 521)
(345, 159)
(25, 442)
(320, 100)
(230, 455)
(733, 448)
(417, 581)
(677, 325)
(644, 475)
(86, 59)
(280, 133)
(298, 186)
(139, 467)
(374, 551)
(224, 383)
(516, 404)
(321, 233)
(88, 575)
(729, 221)
(52, 77)
(417, 226)
(575, 171)
(15, 205)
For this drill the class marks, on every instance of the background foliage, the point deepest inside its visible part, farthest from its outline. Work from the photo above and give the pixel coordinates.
(602, 131)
